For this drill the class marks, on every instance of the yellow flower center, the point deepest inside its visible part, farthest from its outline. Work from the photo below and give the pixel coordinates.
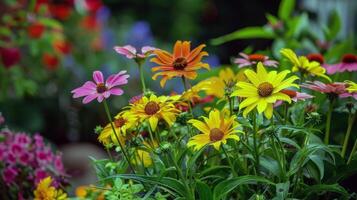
(119, 122)
(180, 63)
(151, 108)
(265, 89)
(101, 88)
(216, 135)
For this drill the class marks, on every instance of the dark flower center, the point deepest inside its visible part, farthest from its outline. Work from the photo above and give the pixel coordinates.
(290, 93)
(256, 57)
(119, 122)
(101, 88)
(265, 89)
(216, 135)
(349, 58)
(151, 108)
(315, 57)
(180, 63)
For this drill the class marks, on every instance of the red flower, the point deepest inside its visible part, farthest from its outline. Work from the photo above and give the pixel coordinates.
(93, 5)
(10, 56)
(62, 46)
(35, 30)
(50, 61)
(90, 22)
(61, 11)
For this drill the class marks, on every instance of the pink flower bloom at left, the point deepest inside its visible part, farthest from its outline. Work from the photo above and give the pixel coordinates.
(131, 53)
(100, 89)
(253, 59)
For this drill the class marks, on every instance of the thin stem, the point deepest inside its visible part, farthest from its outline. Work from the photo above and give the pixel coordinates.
(328, 122)
(115, 133)
(186, 89)
(229, 99)
(109, 154)
(285, 113)
(256, 150)
(352, 152)
(142, 76)
(229, 162)
(351, 119)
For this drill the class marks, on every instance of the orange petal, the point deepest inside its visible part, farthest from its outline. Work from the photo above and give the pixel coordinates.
(165, 68)
(178, 49)
(195, 52)
(186, 47)
(157, 61)
(164, 56)
(163, 81)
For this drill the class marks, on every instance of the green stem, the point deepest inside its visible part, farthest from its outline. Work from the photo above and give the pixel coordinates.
(186, 89)
(142, 77)
(351, 119)
(352, 152)
(285, 113)
(256, 150)
(229, 99)
(115, 133)
(328, 122)
(230, 162)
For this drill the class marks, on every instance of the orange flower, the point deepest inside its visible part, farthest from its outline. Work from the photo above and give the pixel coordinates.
(182, 63)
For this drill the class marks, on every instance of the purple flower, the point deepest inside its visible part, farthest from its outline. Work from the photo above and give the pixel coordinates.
(39, 175)
(131, 53)
(38, 141)
(9, 174)
(2, 119)
(58, 163)
(348, 63)
(101, 89)
(253, 59)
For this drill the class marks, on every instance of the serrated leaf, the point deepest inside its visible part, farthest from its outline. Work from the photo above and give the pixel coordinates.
(245, 33)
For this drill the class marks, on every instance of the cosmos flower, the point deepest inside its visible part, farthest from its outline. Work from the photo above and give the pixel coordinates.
(303, 65)
(215, 130)
(348, 63)
(253, 59)
(101, 89)
(263, 90)
(131, 53)
(182, 63)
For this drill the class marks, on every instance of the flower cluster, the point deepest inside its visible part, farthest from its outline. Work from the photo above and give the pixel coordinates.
(25, 161)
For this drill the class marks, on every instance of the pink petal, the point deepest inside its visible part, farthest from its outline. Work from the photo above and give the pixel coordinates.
(332, 69)
(100, 98)
(241, 61)
(117, 79)
(271, 63)
(127, 50)
(89, 98)
(147, 49)
(244, 65)
(244, 55)
(106, 94)
(116, 91)
(98, 77)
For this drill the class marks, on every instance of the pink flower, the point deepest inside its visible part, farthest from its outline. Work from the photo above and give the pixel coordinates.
(38, 141)
(58, 163)
(39, 175)
(295, 96)
(9, 174)
(253, 59)
(101, 89)
(348, 63)
(2, 119)
(130, 51)
(331, 89)
(135, 99)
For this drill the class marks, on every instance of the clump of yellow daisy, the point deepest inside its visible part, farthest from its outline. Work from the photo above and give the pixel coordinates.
(303, 65)
(226, 80)
(45, 191)
(121, 123)
(142, 155)
(152, 109)
(263, 90)
(215, 129)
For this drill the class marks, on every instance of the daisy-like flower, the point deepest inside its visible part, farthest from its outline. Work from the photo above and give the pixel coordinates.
(225, 81)
(348, 63)
(153, 109)
(182, 63)
(46, 191)
(303, 65)
(316, 57)
(294, 95)
(263, 90)
(121, 123)
(142, 155)
(253, 59)
(101, 89)
(131, 53)
(215, 129)
(333, 90)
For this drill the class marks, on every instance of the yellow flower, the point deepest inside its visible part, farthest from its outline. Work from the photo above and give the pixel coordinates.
(351, 86)
(216, 129)
(143, 156)
(263, 90)
(226, 79)
(193, 93)
(303, 65)
(182, 63)
(153, 109)
(45, 191)
(122, 122)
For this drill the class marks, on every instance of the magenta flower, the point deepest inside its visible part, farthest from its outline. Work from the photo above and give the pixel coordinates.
(9, 174)
(253, 59)
(331, 89)
(348, 63)
(101, 89)
(130, 51)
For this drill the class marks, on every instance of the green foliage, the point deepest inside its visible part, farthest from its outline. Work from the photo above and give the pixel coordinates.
(245, 33)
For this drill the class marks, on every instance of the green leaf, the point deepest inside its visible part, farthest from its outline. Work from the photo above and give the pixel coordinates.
(245, 33)
(282, 190)
(286, 8)
(323, 188)
(334, 24)
(316, 159)
(204, 191)
(296, 25)
(343, 172)
(271, 18)
(224, 187)
(51, 23)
